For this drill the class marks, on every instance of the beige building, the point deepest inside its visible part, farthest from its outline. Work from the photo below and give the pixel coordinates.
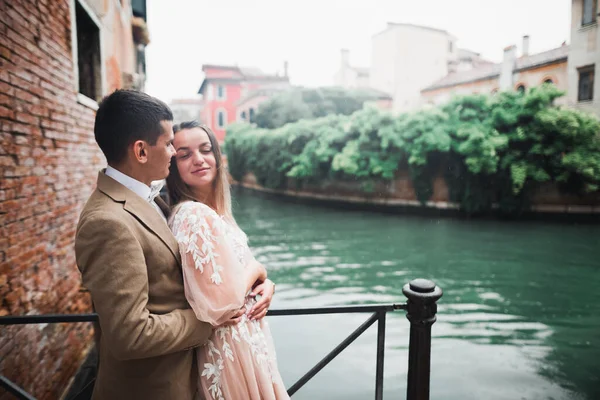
(584, 56)
(513, 73)
(186, 109)
(350, 77)
(572, 68)
(406, 58)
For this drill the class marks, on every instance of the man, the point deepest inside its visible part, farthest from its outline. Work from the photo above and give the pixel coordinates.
(130, 261)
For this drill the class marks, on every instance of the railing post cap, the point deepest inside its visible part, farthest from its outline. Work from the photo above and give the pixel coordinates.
(422, 290)
(422, 285)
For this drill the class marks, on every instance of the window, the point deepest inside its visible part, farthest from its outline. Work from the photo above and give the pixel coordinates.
(251, 111)
(521, 88)
(589, 12)
(243, 115)
(586, 83)
(221, 118)
(549, 81)
(87, 56)
(221, 92)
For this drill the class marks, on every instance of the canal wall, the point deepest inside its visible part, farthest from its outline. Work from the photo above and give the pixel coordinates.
(399, 194)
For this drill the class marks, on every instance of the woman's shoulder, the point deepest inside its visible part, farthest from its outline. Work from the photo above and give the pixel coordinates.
(193, 210)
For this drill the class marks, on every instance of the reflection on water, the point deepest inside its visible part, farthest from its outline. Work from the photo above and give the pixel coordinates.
(520, 316)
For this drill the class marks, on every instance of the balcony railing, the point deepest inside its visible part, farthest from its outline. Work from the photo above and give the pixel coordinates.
(421, 309)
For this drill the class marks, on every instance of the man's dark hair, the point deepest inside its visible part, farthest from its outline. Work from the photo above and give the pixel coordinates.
(126, 116)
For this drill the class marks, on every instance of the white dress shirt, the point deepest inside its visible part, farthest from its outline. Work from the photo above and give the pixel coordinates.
(139, 188)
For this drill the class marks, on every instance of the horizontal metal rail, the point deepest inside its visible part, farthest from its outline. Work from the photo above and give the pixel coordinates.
(47, 319)
(421, 311)
(13, 389)
(92, 317)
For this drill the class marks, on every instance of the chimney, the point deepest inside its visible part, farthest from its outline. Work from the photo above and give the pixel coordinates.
(507, 68)
(345, 58)
(525, 50)
(285, 69)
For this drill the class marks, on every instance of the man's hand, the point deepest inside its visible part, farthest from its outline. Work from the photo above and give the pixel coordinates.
(237, 317)
(265, 290)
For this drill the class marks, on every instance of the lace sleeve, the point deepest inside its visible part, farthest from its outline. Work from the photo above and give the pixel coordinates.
(213, 277)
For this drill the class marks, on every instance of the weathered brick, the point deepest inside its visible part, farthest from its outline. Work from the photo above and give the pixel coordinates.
(25, 96)
(6, 113)
(27, 118)
(46, 144)
(7, 89)
(17, 127)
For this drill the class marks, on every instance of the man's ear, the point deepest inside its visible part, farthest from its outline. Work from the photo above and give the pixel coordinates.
(140, 150)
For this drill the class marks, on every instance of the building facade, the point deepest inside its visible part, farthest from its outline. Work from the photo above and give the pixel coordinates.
(406, 58)
(572, 68)
(187, 109)
(584, 56)
(224, 86)
(57, 59)
(247, 106)
(513, 73)
(350, 77)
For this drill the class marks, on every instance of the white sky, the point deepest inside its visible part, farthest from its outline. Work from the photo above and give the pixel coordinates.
(310, 33)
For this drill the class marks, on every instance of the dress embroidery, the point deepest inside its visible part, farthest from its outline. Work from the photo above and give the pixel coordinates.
(200, 232)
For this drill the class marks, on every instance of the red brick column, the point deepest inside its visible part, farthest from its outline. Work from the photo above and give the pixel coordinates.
(48, 167)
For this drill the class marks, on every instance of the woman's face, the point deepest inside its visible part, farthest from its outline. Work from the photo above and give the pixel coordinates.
(195, 159)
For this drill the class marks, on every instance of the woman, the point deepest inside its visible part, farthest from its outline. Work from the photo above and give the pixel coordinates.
(221, 276)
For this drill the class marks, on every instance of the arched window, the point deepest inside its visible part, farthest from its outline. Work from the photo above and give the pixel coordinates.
(221, 118)
(549, 81)
(521, 88)
(251, 111)
(221, 92)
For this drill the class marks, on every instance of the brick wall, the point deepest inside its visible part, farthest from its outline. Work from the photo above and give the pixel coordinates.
(48, 167)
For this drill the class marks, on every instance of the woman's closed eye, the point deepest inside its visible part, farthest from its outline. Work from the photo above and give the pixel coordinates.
(183, 156)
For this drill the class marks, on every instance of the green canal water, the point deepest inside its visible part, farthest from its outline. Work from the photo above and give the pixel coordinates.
(519, 319)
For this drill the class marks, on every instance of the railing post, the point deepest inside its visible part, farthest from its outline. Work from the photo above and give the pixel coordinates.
(380, 354)
(422, 295)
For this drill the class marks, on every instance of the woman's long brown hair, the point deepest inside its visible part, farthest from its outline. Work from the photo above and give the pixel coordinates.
(179, 191)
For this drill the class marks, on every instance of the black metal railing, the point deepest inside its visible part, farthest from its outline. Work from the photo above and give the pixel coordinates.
(421, 309)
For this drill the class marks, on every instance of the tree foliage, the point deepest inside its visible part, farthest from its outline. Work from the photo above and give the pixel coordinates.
(490, 150)
(306, 103)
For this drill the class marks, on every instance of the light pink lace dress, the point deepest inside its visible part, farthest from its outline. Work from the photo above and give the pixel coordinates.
(238, 362)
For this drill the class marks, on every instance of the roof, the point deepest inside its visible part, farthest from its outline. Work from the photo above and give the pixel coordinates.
(474, 75)
(264, 91)
(391, 25)
(243, 74)
(361, 71)
(547, 57)
(187, 101)
(491, 71)
(378, 94)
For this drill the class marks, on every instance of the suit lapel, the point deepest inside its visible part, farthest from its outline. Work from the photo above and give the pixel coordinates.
(141, 209)
(163, 206)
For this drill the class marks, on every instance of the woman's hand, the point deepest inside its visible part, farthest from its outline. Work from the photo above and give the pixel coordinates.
(266, 290)
(237, 317)
(257, 274)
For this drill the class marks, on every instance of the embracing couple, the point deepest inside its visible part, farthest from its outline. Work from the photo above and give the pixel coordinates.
(175, 286)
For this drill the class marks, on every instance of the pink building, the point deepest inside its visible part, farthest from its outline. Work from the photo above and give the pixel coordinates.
(224, 86)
